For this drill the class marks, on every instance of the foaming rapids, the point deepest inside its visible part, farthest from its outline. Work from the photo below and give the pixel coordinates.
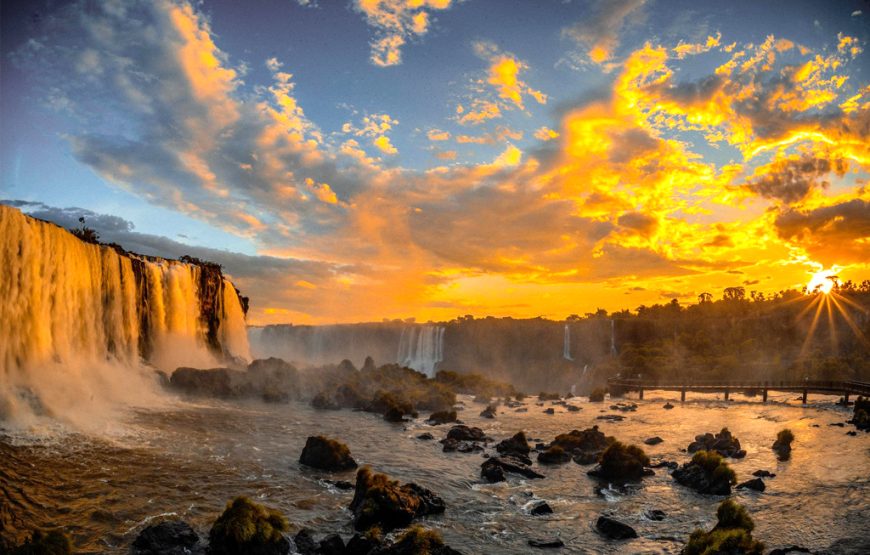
(86, 325)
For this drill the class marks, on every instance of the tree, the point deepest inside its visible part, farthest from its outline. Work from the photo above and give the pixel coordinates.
(734, 294)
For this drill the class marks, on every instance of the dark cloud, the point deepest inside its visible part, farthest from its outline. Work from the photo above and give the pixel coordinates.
(834, 234)
(643, 224)
(791, 180)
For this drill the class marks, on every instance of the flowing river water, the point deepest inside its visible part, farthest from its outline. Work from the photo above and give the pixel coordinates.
(188, 460)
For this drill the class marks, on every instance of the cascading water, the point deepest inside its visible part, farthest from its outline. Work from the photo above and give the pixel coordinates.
(613, 351)
(422, 348)
(566, 347)
(80, 320)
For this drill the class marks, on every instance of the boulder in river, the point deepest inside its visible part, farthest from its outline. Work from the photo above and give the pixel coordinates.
(441, 417)
(782, 445)
(379, 501)
(621, 462)
(585, 446)
(426, 436)
(668, 406)
(541, 508)
(755, 484)
(171, 537)
(655, 440)
(418, 541)
(466, 433)
(488, 412)
(247, 527)
(732, 534)
(326, 454)
(554, 455)
(723, 443)
(508, 464)
(550, 543)
(614, 529)
(707, 473)
(763, 474)
(515, 444)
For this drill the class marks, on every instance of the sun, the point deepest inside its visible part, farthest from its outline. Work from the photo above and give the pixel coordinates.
(821, 282)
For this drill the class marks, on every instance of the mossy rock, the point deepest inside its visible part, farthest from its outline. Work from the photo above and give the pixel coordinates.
(44, 543)
(248, 528)
(731, 535)
(379, 501)
(621, 462)
(326, 454)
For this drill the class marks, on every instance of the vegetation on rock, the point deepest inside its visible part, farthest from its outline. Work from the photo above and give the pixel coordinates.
(247, 527)
(731, 535)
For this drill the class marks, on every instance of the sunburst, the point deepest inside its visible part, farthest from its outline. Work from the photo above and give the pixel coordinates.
(826, 299)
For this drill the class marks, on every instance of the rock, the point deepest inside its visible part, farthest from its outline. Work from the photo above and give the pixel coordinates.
(614, 529)
(706, 473)
(516, 444)
(585, 446)
(488, 412)
(426, 436)
(492, 474)
(304, 541)
(339, 484)
(452, 445)
(361, 545)
(611, 417)
(273, 379)
(621, 462)
(756, 484)
(655, 514)
(668, 406)
(852, 433)
(331, 545)
(782, 445)
(723, 443)
(524, 409)
(379, 501)
(466, 433)
(326, 454)
(548, 543)
(222, 383)
(321, 401)
(787, 550)
(764, 474)
(541, 508)
(172, 537)
(441, 417)
(509, 464)
(655, 440)
(550, 411)
(418, 541)
(838, 424)
(368, 365)
(554, 455)
(664, 464)
(572, 408)
(247, 527)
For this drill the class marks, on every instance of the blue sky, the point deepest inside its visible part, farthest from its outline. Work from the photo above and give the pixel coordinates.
(443, 154)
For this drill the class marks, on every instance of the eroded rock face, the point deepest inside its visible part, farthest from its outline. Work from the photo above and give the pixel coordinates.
(379, 501)
(514, 445)
(326, 454)
(723, 443)
(172, 537)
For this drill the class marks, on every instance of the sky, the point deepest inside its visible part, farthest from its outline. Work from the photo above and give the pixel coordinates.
(354, 160)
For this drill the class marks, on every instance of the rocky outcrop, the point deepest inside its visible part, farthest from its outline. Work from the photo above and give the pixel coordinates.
(708, 473)
(554, 455)
(379, 501)
(732, 534)
(488, 412)
(326, 454)
(441, 417)
(782, 445)
(755, 484)
(517, 444)
(269, 379)
(246, 528)
(172, 537)
(464, 439)
(621, 462)
(655, 440)
(723, 443)
(541, 508)
(584, 446)
(507, 465)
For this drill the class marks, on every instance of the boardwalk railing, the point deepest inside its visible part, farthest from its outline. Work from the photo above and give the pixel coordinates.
(844, 388)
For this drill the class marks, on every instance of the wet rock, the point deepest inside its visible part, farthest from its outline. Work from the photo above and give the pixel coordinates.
(304, 541)
(247, 527)
(756, 484)
(326, 454)
(516, 444)
(222, 383)
(524, 409)
(664, 464)
(361, 545)
(763, 474)
(614, 529)
(585, 446)
(273, 379)
(508, 464)
(861, 414)
(493, 474)
(611, 417)
(706, 473)
(541, 508)
(621, 462)
(550, 411)
(852, 433)
(667, 406)
(548, 543)
(331, 545)
(452, 445)
(426, 436)
(173, 537)
(838, 424)
(418, 541)
(624, 407)
(723, 443)
(466, 433)
(339, 484)
(782, 445)
(790, 549)
(655, 440)
(379, 501)
(488, 412)
(554, 455)
(572, 408)
(322, 401)
(441, 417)
(655, 514)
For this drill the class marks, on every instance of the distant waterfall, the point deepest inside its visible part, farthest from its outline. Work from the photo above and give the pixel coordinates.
(566, 347)
(421, 348)
(76, 306)
(613, 337)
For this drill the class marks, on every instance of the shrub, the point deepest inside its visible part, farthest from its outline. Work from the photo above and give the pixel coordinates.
(732, 534)
(419, 541)
(733, 515)
(623, 461)
(713, 464)
(784, 437)
(44, 543)
(246, 527)
(597, 395)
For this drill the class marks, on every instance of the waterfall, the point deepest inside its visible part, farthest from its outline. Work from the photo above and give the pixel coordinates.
(422, 348)
(80, 319)
(566, 348)
(613, 337)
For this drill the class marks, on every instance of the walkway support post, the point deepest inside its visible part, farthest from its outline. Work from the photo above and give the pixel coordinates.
(764, 395)
(726, 393)
(641, 393)
(683, 395)
(805, 396)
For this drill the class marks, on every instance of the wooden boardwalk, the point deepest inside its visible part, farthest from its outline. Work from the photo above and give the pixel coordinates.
(718, 386)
